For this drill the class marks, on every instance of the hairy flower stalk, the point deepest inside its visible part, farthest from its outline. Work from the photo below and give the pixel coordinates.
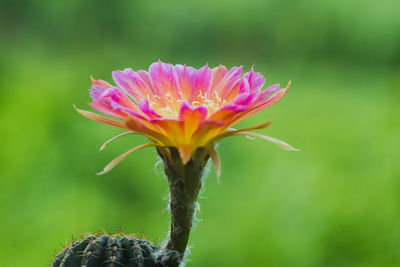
(185, 182)
(184, 112)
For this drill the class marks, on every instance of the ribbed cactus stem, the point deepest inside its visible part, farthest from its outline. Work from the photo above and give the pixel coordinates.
(185, 181)
(108, 251)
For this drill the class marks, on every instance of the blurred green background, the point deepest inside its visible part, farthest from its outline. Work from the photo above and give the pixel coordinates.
(335, 203)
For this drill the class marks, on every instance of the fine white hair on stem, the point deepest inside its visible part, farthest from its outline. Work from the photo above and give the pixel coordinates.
(186, 256)
(206, 173)
(168, 253)
(195, 219)
(158, 167)
(167, 199)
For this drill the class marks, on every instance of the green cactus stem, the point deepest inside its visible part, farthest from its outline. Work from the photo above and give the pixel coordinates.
(107, 251)
(185, 182)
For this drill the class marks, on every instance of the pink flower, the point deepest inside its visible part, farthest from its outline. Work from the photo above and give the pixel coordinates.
(180, 106)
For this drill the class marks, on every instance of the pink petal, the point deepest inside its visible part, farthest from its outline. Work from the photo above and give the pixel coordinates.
(218, 74)
(119, 97)
(272, 99)
(165, 80)
(185, 76)
(145, 76)
(187, 110)
(112, 101)
(147, 110)
(269, 90)
(241, 87)
(96, 91)
(128, 111)
(202, 80)
(228, 112)
(244, 86)
(131, 83)
(261, 104)
(256, 80)
(245, 99)
(230, 79)
(106, 108)
(100, 82)
(192, 118)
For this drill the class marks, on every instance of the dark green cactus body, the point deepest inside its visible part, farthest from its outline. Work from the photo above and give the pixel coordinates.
(107, 251)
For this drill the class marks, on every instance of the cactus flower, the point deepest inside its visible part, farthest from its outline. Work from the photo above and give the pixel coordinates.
(184, 112)
(182, 107)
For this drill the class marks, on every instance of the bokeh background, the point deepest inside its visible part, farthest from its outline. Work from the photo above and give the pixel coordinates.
(335, 203)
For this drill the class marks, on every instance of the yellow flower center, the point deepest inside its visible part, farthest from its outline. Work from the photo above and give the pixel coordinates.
(169, 107)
